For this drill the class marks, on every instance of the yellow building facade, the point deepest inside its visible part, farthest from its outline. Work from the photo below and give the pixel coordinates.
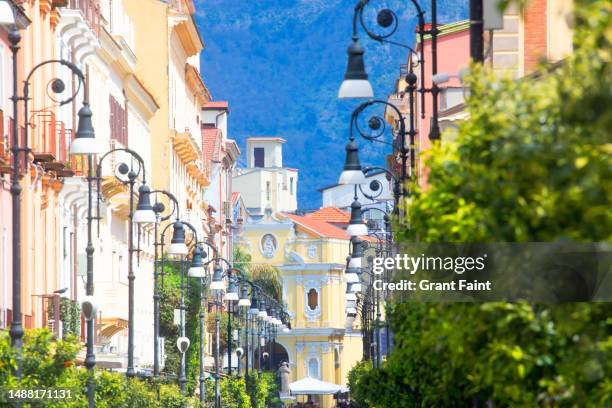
(311, 256)
(169, 45)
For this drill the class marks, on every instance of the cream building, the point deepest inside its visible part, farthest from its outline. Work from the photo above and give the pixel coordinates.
(100, 40)
(168, 46)
(265, 183)
(311, 256)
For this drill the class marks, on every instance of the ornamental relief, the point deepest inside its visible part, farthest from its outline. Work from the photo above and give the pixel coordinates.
(268, 245)
(312, 300)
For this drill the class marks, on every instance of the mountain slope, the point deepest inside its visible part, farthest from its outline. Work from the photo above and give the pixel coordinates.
(280, 62)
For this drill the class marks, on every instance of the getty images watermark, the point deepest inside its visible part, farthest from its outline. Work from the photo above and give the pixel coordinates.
(433, 264)
(473, 272)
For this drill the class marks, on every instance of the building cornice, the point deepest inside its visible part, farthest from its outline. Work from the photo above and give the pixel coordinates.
(116, 54)
(315, 331)
(188, 33)
(140, 96)
(196, 84)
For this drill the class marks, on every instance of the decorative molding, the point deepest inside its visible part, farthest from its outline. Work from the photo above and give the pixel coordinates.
(324, 279)
(313, 267)
(312, 315)
(271, 245)
(315, 331)
(312, 251)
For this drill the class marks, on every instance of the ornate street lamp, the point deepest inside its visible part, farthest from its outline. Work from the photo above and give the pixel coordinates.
(232, 292)
(356, 225)
(217, 284)
(196, 269)
(177, 245)
(252, 318)
(144, 213)
(244, 301)
(353, 85)
(158, 209)
(85, 139)
(230, 297)
(145, 216)
(243, 309)
(352, 172)
(84, 142)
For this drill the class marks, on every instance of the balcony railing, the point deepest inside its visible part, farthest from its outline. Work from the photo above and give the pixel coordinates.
(91, 12)
(52, 147)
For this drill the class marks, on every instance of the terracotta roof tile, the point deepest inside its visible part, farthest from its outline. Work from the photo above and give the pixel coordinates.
(321, 228)
(211, 143)
(330, 214)
(216, 105)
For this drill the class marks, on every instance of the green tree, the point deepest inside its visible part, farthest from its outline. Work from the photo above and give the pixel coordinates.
(49, 363)
(532, 162)
(170, 299)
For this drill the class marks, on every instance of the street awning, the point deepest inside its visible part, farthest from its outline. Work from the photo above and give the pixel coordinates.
(312, 386)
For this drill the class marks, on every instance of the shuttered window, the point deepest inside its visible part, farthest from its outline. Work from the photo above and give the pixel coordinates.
(118, 122)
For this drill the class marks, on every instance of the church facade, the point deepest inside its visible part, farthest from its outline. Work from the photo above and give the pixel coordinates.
(310, 255)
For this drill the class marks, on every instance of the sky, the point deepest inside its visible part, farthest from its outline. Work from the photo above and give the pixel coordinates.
(279, 64)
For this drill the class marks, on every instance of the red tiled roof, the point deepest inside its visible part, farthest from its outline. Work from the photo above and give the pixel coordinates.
(211, 143)
(324, 229)
(216, 105)
(321, 228)
(330, 214)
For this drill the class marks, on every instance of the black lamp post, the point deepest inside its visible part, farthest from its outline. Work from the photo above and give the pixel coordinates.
(217, 285)
(143, 214)
(178, 247)
(196, 270)
(260, 326)
(252, 319)
(377, 129)
(84, 143)
(158, 209)
(243, 311)
(353, 86)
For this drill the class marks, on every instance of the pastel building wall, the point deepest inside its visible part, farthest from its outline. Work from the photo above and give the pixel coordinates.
(265, 183)
(310, 254)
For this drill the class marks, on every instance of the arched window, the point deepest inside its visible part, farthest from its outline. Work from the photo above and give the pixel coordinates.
(313, 368)
(313, 299)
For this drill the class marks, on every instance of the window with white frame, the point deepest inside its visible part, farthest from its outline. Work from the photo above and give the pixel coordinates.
(313, 368)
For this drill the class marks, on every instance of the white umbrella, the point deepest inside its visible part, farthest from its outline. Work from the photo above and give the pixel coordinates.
(312, 386)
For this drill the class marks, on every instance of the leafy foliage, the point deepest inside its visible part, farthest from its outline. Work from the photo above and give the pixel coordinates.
(44, 359)
(70, 315)
(170, 299)
(263, 390)
(356, 382)
(533, 160)
(265, 276)
(531, 163)
(49, 364)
